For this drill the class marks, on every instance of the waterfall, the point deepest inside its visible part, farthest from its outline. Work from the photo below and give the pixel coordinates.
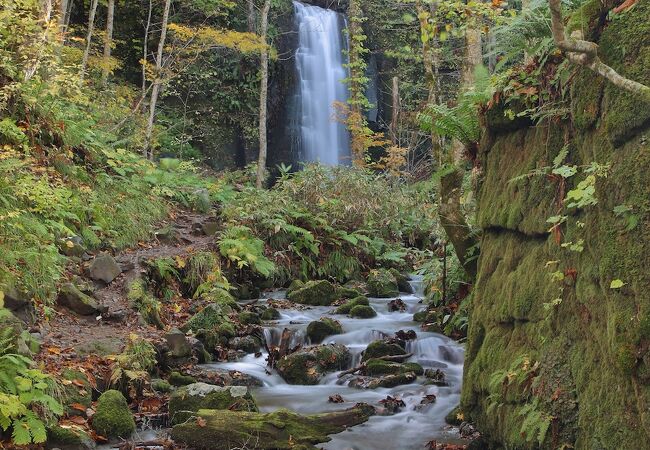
(320, 61)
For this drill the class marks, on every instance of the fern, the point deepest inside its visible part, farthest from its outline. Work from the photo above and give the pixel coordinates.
(239, 246)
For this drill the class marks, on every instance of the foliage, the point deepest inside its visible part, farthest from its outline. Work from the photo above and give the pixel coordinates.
(239, 246)
(132, 366)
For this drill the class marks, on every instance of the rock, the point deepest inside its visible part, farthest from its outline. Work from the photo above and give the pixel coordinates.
(162, 386)
(406, 335)
(79, 392)
(104, 268)
(186, 401)
(201, 201)
(363, 312)
(436, 376)
(179, 346)
(308, 365)
(382, 284)
(113, 418)
(428, 399)
(420, 316)
(378, 367)
(72, 246)
(248, 344)
(167, 235)
(279, 430)
(246, 291)
(270, 314)
(390, 381)
(178, 379)
(210, 228)
(377, 349)
(315, 293)
(15, 299)
(397, 305)
(391, 405)
(294, 286)
(75, 300)
(356, 301)
(335, 398)
(402, 280)
(211, 317)
(455, 416)
(320, 329)
(249, 318)
(69, 438)
(346, 292)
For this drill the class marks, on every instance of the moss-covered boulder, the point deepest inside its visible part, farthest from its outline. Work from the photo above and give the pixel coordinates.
(77, 392)
(113, 418)
(321, 328)
(186, 401)
(356, 301)
(249, 318)
(347, 292)
(378, 367)
(75, 300)
(69, 438)
(270, 314)
(279, 430)
(294, 286)
(161, 386)
(178, 379)
(315, 293)
(363, 312)
(402, 281)
(307, 366)
(390, 381)
(377, 349)
(382, 284)
(212, 326)
(248, 344)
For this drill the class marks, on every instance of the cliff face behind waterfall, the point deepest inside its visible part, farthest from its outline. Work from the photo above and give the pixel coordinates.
(589, 350)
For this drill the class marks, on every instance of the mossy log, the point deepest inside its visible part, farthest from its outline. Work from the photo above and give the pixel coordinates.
(283, 429)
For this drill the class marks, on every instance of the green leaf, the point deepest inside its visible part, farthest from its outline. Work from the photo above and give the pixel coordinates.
(616, 284)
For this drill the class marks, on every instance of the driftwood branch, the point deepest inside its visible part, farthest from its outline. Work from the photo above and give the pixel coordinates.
(585, 53)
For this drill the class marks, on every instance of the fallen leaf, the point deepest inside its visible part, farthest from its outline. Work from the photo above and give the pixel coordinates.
(200, 421)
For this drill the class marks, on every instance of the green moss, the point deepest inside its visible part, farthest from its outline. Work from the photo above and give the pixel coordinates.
(270, 314)
(587, 19)
(345, 292)
(375, 367)
(73, 393)
(161, 386)
(178, 379)
(586, 96)
(69, 438)
(294, 286)
(249, 318)
(454, 416)
(363, 312)
(356, 301)
(320, 329)
(382, 284)
(378, 349)
(186, 401)
(316, 293)
(113, 418)
(209, 318)
(307, 366)
(420, 316)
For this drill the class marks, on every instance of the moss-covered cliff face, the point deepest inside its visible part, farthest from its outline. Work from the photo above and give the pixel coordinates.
(581, 366)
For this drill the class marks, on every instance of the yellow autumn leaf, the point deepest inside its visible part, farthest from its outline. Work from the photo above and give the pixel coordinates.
(69, 244)
(2, 299)
(180, 262)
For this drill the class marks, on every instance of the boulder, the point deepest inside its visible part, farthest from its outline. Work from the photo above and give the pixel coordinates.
(402, 282)
(279, 430)
(346, 307)
(75, 300)
(113, 418)
(382, 284)
(294, 286)
(104, 268)
(14, 298)
(211, 317)
(178, 379)
(161, 386)
(307, 366)
(397, 305)
(72, 246)
(363, 312)
(315, 293)
(186, 401)
(320, 329)
(436, 376)
(248, 344)
(78, 392)
(270, 314)
(346, 292)
(390, 381)
(378, 367)
(69, 438)
(377, 349)
(249, 318)
(178, 344)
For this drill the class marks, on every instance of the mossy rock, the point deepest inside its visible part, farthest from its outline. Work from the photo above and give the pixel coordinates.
(294, 286)
(587, 19)
(279, 430)
(315, 293)
(455, 416)
(420, 316)
(346, 307)
(378, 367)
(320, 329)
(377, 349)
(390, 381)
(382, 284)
(346, 292)
(178, 379)
(248, 344)
(270, 314)
(159, 385)
(209, 318)
(249, 318)
(186, 401)
(502, 118)
(224, 299)
(69, 438)
(402, 281)
(113, 418)
(363, 312)
(307, 366)
(73, 393)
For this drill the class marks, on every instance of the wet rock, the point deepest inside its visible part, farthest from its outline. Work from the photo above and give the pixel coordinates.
(377, 349)
(320, 329)
(391, 405)
(356, 301)
(270, 314)
(436, 376)
(294, 286)
(377, 367)
(382, 284)
(402, 280)
(390, 381)
(420, 316)
(104, 268)
(247, 344)
(426, 400)
(75, 300)
(363, 312)
(455, 416)
(307, 366)
(186, 401)
(335, 398)
(282, 429)
(406, 335)
(179, 346)
(346, 292)
(397, 305)
(315, 293)
(468, 431)
(358, 286)
(113, 418)
(249, 318)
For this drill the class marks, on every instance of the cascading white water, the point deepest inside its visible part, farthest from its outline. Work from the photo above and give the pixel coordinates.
(320, 64)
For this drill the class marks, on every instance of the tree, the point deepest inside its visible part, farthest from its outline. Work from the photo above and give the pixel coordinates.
(89, 35)
(108, 41)
(155, 91)
(264, 85)
(585, 53)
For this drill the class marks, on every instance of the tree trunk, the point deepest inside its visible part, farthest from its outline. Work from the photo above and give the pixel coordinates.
(252, 20)
(264, 86)
(145, 49)
(108, 41)
(148, 153)
(89, 35)
(394, 120)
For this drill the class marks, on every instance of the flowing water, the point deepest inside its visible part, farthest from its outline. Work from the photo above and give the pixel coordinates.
(409, 429)
(320, 66)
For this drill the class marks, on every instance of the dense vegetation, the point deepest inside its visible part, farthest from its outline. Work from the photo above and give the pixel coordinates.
(505, 164)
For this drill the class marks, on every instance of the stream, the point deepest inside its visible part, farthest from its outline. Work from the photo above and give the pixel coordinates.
(414, 425)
